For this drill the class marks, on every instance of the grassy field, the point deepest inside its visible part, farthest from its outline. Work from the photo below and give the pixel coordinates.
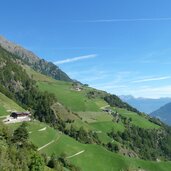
(90, 116)
(100, 159)
(93, 157)
(99, 122)
(39, 133)
(3, 111)
(137, 120)
(7, 104)
(89, 109)
(36, 75)
(108, 126)
(74, 100)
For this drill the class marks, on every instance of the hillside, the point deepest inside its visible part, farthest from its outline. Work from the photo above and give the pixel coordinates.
(163, 113)
(73, 121)
(91, 117)
(89, 154)
(17, 85)
(145, 105)
(7, 105)
(28, 57)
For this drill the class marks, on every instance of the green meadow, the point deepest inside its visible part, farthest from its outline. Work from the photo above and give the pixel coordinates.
(87, 114)
(72, 99)
(93, 157)
(137, 120)
(7, 104)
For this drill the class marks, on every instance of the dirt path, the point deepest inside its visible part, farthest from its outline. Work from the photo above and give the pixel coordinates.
(47, 144)
(43, 129)
(76, 154)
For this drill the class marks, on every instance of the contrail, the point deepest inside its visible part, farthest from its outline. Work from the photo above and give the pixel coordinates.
(152, 79)
(75, 59)
(124, 20)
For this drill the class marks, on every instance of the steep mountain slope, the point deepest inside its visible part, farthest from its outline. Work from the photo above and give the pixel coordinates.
(163, 113)
(145, 105)
(40, 65)
(89, 156)
(81, 121)
(91, 117)
(16, 84)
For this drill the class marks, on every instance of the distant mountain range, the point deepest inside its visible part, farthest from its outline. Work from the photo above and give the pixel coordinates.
(163, 113)
(147, 105)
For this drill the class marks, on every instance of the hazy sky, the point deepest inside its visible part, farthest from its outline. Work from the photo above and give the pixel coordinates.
(121, 46)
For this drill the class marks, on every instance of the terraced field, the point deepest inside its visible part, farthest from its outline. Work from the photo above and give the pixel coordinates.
(87, 157)
(137, 120)
(74, 100)
(90, 116)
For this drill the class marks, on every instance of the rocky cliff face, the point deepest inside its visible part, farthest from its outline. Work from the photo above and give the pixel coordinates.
(26, 55)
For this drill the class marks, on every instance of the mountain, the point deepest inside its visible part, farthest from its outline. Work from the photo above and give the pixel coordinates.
(163, 113)
(146, 105)
(28, 57)
(72, 121)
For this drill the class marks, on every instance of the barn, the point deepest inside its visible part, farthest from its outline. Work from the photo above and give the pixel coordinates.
(20, 114)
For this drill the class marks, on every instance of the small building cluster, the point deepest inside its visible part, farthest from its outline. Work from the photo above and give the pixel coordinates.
(107, 110)
(77, 87)
(18, 117)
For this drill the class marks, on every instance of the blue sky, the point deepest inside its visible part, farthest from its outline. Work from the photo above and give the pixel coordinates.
(121, 46)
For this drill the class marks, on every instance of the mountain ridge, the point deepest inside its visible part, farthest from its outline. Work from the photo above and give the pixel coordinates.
(38, 64)
(163, 113)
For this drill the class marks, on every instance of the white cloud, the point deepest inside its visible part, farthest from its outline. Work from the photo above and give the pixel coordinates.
(152, 79)
(142, 91)
(75, 59)
(152, 92)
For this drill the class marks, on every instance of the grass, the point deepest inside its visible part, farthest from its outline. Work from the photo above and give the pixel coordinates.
(137, 120)
(89, 109)
(79, 123)
(100, 159)
(65, 145)
(95, 157)
(3, 111)
(36, 75)
(74, 100)
(100, 103)
(8, 104)
(108, 126)
(92, 117)
(78, 101)
(39, 138)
